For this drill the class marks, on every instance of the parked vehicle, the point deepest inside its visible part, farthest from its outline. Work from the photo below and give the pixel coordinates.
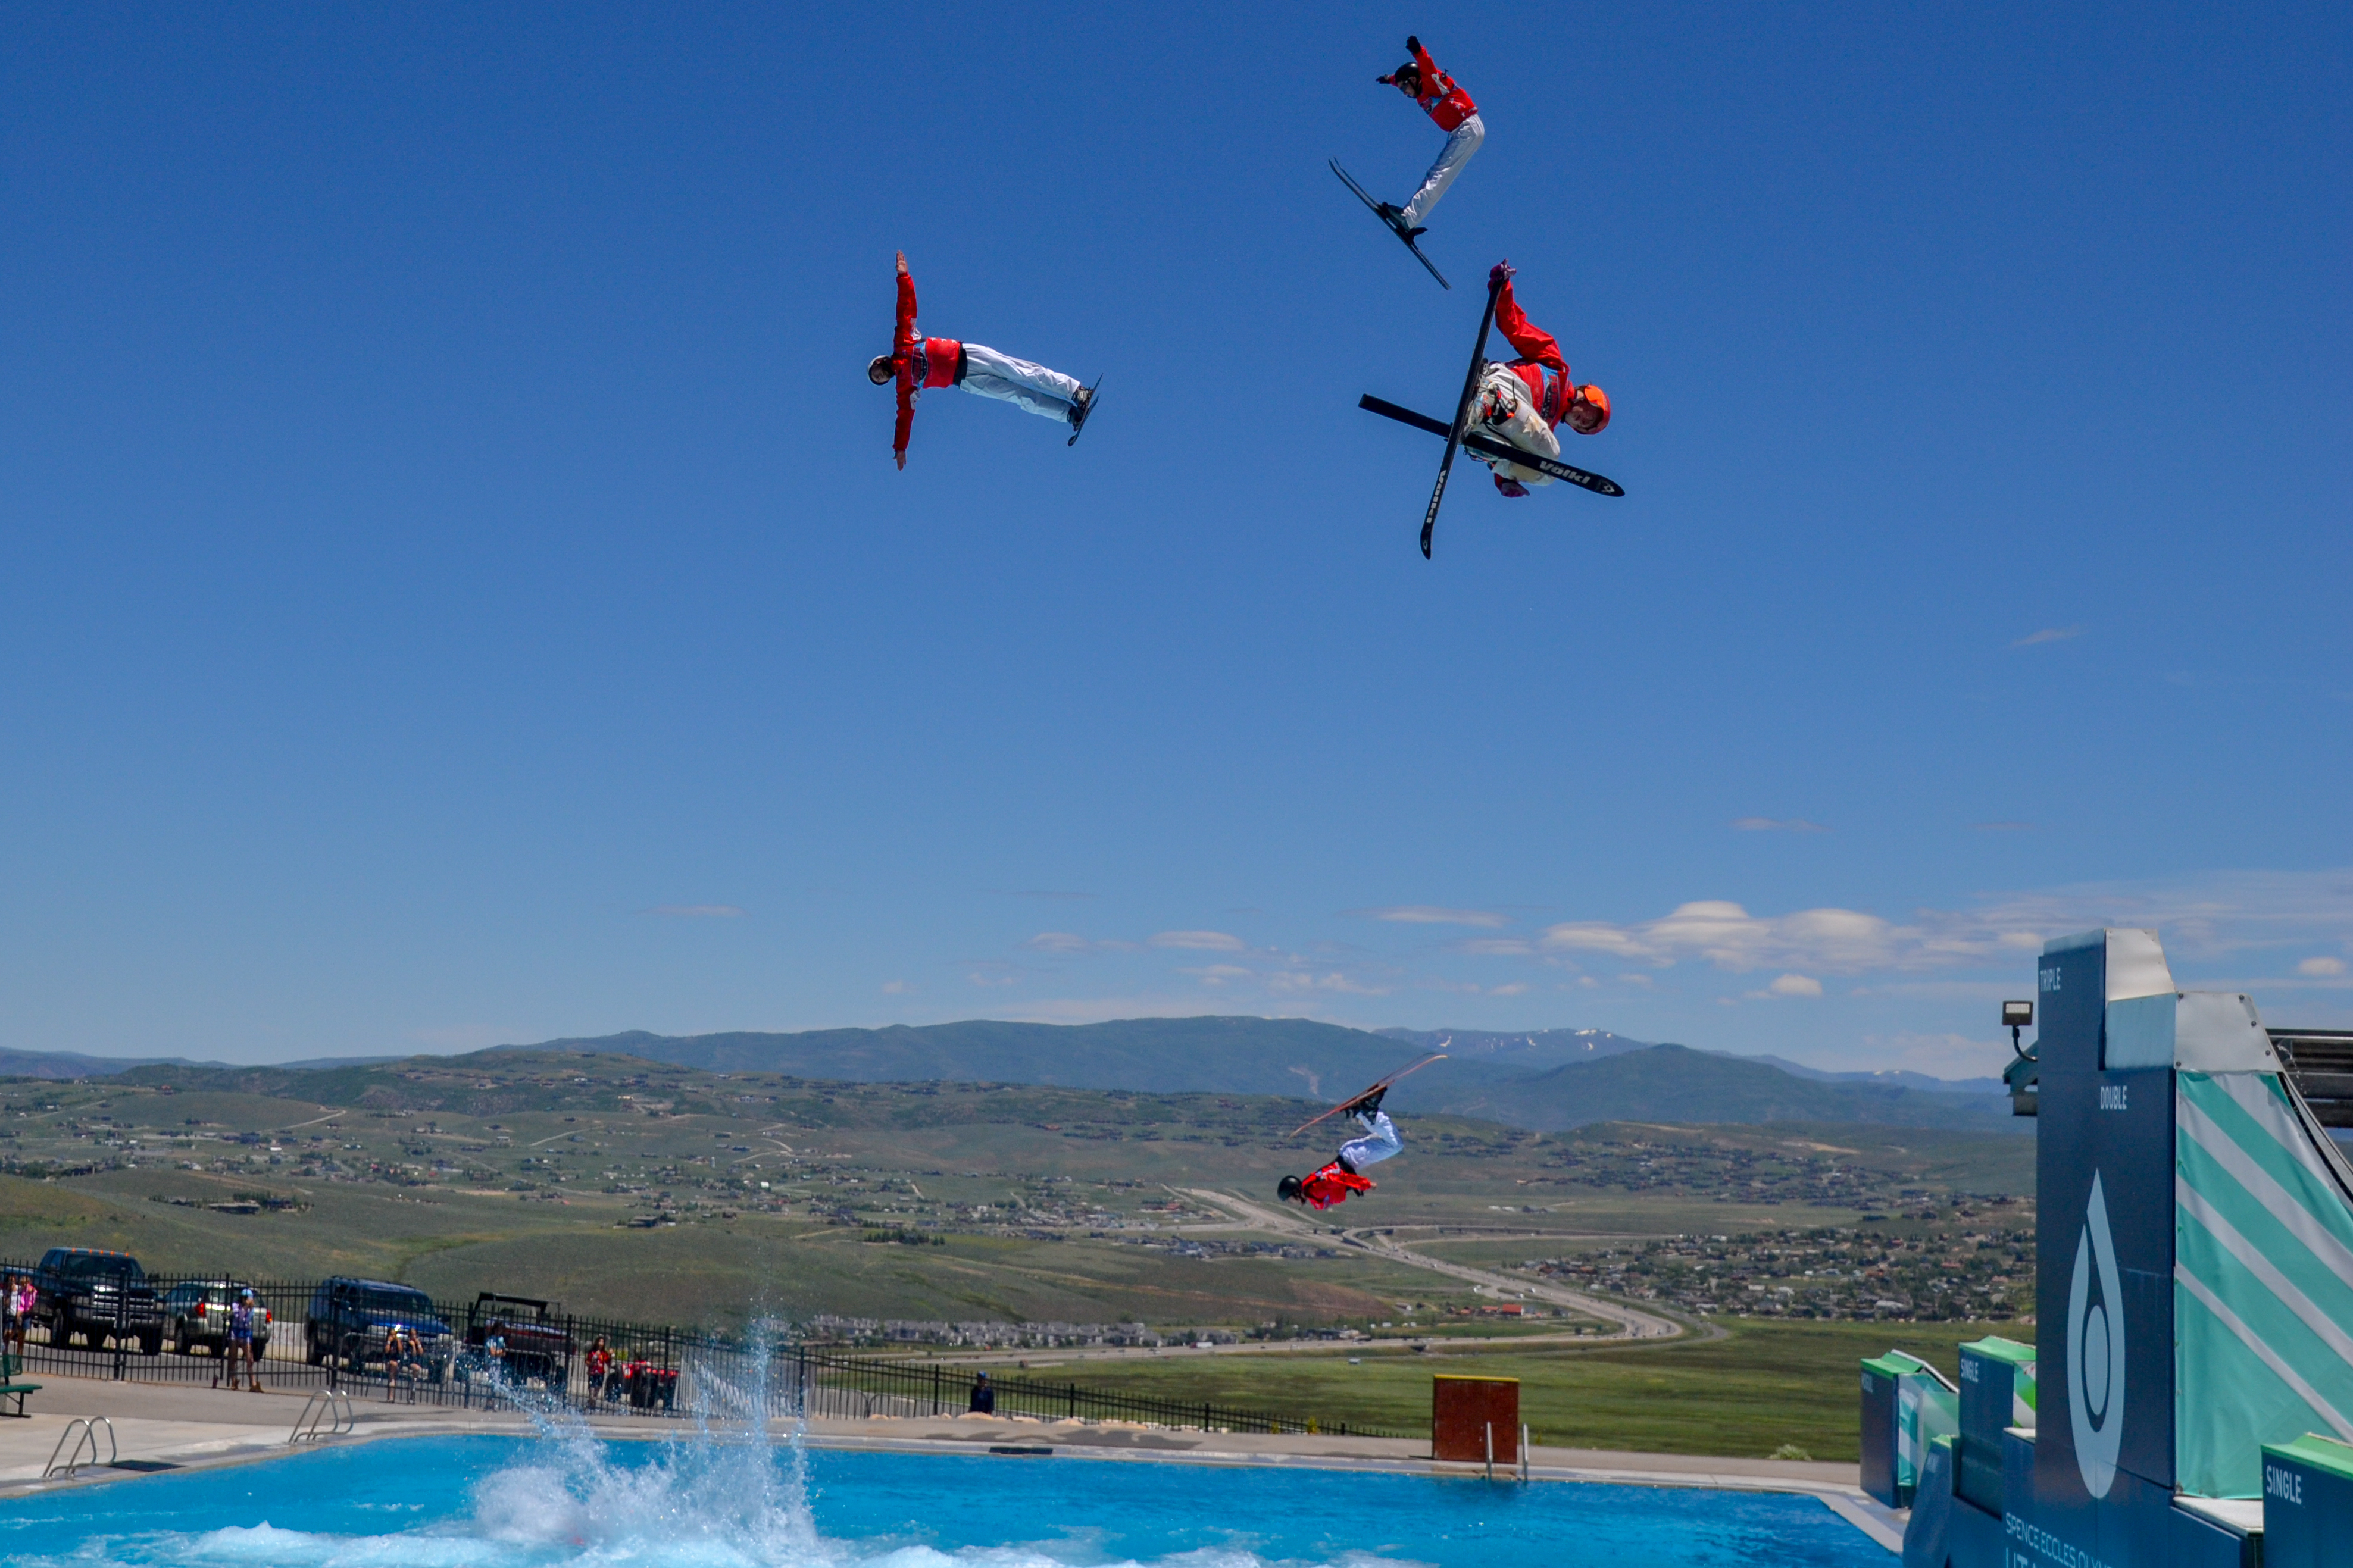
(529, 1339)
(195, 1316)
(350, 1318)
(97, 1296)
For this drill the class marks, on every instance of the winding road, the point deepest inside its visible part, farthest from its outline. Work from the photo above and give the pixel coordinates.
(1632, 1323)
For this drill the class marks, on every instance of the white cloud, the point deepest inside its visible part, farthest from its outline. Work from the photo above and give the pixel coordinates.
(981, 977)
(1432, 915)
(1796, 985)
(2321, 966)
(1294, 981)
(1514, 989)
(1217, 974)
(1776, 825)
(896, 988)
(2199, 919)
(1057, 941)
(1495, 946)
(1203, 940)
(1729, 937)
(698, 911)
(2048, 634)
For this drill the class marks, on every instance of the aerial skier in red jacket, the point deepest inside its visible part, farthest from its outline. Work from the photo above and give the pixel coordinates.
(1420, 79)
(916, 363)
(1335, 1182)
(1526, 400)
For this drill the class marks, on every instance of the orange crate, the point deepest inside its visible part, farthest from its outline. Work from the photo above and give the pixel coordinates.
(1463, 1410)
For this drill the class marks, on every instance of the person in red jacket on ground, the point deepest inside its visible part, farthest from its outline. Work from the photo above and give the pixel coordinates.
(1526, 400)
(1420, 79)
(916, 363)
(1335, 1182)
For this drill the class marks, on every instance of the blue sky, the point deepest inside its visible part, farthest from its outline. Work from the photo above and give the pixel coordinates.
(454, 588)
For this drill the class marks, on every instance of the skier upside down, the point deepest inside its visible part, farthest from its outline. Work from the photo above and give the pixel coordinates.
(1334, 1183)
(1525, 401)
(916, 363)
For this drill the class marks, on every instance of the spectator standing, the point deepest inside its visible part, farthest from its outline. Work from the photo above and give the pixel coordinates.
(28, 1297)
(600, 1360)
(239, 1347)
(984, 1397)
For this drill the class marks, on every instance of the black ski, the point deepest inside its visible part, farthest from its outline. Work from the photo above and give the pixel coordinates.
(1395, 227)
(1487, 446)
(1461, 413)
(1084, 415)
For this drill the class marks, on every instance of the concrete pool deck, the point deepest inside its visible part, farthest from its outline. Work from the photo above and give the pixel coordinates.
(179, 1426)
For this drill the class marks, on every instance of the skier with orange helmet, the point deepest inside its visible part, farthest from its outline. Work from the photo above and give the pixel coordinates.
(1525, 401)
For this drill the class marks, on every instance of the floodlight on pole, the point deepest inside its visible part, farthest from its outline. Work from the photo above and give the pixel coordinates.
(2017, 1015)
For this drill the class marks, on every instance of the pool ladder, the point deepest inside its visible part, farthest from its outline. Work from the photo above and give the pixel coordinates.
(80, 1433)
(326, 1413)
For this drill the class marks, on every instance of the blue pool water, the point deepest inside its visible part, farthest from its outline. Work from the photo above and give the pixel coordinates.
(492, 1502)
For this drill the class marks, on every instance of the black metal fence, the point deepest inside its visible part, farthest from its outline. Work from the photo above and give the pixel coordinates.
(548, 1359)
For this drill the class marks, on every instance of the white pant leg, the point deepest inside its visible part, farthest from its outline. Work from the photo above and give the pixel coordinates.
(1045, 392)
(1380, 1141)
(1521, 427)
(1460, 142)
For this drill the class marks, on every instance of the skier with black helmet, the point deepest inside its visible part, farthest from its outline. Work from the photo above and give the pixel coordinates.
(1453, 112)
(1336, 1182)
(916, 362)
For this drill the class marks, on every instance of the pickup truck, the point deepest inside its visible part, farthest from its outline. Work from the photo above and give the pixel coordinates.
(97, 1296)
(524, 1337)
(350, 1320)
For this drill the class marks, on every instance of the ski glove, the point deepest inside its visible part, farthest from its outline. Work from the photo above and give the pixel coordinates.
(1412, 44)
(1500, 274)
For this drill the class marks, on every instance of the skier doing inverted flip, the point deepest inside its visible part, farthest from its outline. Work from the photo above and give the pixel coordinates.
(916, 363)
(1334, 1183)
(1420, 79)
(1526, 400)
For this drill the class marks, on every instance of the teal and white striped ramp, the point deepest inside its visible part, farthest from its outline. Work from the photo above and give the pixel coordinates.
(2262, 1280)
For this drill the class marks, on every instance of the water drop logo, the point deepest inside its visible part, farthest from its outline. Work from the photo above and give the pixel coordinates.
(2096, 1350)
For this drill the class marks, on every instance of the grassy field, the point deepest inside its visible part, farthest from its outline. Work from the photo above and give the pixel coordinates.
(1765, 1385)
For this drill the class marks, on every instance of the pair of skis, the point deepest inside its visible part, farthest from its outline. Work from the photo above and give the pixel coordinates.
(1372, 1090)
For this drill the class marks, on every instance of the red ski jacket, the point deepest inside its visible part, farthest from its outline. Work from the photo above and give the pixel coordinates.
(1446, 104)
(1331, 1185)
(921, 361)
(1540, 364)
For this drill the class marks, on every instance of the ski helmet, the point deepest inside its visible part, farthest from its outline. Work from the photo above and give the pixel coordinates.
(1289, 1188)
(1600, 400)
(880, 370)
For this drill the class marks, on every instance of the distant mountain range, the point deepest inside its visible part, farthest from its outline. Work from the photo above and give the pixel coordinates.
(1546, 1080)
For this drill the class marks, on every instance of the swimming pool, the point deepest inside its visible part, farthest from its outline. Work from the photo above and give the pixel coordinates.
(496, 1502)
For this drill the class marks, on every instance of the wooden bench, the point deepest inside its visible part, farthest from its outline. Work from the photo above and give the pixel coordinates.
(11, 1368)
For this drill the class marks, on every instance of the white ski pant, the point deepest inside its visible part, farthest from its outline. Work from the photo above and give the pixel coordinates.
(1460, 142)
(1505, 410)
(1380, 1141)
(1047, 393)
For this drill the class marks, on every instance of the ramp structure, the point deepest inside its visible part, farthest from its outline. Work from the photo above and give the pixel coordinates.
(2194, 1288)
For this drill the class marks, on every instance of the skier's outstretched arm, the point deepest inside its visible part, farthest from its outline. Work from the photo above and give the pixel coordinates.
(1533, 344)
(902, 347)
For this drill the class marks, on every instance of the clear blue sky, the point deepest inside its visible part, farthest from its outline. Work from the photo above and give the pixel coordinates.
(454, 588)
